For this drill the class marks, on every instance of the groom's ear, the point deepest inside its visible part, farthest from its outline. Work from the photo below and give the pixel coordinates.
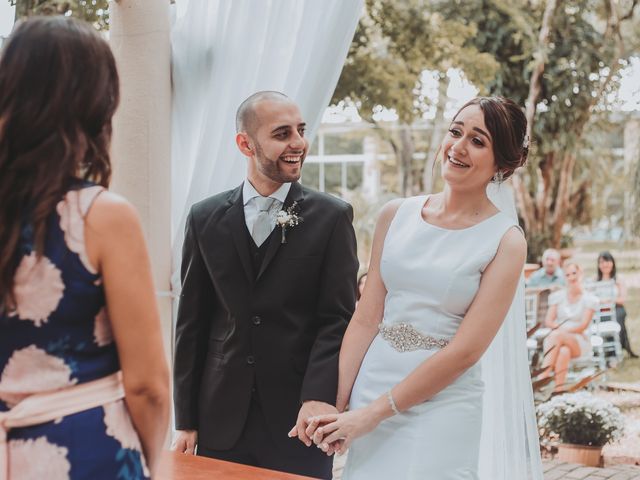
(244, 144)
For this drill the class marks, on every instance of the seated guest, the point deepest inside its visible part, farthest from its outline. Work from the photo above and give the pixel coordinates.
(569, 315)
(550, 275)
(607, 272)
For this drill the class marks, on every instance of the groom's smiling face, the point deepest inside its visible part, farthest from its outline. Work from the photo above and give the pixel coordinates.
(277, 141)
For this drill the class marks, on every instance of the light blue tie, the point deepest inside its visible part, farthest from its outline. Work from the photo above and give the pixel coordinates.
(262, 226)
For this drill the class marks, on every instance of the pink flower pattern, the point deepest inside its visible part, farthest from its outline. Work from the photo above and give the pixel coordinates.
(72, 210)
(120, 427)
(74, 345)
(32, 370)
(38, 459)
(38, 288)
(102, 333)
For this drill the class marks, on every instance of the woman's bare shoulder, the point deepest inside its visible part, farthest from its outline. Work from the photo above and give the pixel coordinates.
(111, 212)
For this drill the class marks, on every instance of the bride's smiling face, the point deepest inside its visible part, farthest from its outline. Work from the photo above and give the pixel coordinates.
(467, 151)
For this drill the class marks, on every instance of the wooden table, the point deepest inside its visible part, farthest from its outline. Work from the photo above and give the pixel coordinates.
(178, 466)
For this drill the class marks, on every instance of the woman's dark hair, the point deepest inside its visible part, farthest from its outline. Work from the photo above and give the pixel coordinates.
(609, 258)
(507, 125)
(58, 92)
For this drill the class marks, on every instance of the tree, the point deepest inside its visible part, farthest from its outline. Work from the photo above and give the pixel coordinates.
(562, 55)
(562, 59)
(395, 42)
(93, 11)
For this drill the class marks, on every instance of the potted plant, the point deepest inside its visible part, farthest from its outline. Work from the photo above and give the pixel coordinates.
(583, 424)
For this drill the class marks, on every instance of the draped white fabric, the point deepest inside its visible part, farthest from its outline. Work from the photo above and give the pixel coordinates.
(225, 50)
(509, 446)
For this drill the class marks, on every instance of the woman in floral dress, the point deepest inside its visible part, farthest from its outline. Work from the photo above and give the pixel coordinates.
(83, 377)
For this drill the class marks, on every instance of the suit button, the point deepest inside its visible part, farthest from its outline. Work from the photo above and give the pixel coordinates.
(256, 320)
(251, 360)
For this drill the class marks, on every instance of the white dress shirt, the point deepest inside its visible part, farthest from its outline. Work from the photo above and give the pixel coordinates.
(251, 209)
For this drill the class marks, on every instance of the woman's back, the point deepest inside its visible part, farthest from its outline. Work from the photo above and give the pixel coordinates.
(58, 335)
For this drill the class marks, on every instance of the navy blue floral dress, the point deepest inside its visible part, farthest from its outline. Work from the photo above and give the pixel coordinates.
(59, 335)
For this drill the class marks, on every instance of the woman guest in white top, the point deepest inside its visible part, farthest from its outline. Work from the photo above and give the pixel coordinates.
(607, 272)
(569, 315)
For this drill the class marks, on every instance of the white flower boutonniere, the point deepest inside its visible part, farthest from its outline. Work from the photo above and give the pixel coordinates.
(288, 218)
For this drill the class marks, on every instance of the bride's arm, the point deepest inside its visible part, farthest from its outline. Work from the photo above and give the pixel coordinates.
(364, 323)
(477, 330)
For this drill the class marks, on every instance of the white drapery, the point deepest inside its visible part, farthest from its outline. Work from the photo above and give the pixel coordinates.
(509, 447)
(225, 50)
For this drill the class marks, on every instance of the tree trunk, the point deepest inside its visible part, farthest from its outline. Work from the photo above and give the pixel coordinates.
(545, 187)
(535, 83)
(437, 133)
(23, 8)
(631, 162)
(562, 200)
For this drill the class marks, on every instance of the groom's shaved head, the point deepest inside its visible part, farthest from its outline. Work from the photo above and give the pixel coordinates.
(246, 117)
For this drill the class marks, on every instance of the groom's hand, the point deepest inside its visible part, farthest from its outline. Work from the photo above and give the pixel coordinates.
(310, 408)
(185, 441)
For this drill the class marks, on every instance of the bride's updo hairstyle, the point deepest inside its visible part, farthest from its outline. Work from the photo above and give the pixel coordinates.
(507, 125)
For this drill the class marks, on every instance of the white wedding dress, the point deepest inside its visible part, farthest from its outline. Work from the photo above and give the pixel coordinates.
(432, 275)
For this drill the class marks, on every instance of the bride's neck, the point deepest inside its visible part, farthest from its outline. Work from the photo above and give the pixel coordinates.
(465, 202)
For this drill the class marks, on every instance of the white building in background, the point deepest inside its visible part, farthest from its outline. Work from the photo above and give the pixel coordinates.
(347, 156)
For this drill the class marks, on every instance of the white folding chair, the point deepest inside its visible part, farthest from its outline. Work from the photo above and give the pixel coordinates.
(531, 308)
(605, 325)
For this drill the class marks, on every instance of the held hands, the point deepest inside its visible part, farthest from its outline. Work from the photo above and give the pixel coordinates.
(334, 432)
(310, 408)
(185, 441)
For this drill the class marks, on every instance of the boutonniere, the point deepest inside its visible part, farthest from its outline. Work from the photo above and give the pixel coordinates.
(288, 218)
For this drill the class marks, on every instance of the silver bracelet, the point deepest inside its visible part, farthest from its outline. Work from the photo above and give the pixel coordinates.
(392, 403)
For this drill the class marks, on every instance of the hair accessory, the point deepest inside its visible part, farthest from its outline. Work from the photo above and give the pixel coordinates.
(392, 403)
(525, 142)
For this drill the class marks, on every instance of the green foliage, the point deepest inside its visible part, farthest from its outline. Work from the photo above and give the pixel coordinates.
(95, 12)
(394, 43)
(496, 44)
(581, 419)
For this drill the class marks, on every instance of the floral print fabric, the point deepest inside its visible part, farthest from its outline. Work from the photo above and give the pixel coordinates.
(56, 335)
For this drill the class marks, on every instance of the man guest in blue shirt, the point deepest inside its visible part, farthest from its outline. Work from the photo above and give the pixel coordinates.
(550, 275)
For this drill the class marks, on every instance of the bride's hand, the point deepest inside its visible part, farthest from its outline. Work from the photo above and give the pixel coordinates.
(337, 431)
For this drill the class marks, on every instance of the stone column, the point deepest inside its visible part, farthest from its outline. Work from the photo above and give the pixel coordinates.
(141, 147)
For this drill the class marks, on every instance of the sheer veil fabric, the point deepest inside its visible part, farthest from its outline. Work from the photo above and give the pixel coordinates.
(222, 52)
(509, 447)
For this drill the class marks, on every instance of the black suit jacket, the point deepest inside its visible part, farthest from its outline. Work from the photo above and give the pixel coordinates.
(280, 330)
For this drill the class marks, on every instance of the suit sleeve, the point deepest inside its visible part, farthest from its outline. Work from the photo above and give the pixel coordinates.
(336, 303)
(192, 330)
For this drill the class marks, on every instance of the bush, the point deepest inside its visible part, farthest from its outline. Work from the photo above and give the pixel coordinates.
(581, 418)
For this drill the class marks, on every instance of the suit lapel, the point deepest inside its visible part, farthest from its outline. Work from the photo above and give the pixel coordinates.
(237, 225)
(295, 195)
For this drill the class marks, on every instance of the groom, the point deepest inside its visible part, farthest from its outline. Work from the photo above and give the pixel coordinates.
(268, 286)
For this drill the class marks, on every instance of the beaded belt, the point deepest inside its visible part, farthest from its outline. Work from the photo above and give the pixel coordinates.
(405, 338)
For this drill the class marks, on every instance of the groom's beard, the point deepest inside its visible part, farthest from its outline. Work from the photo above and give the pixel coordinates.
(276, 169)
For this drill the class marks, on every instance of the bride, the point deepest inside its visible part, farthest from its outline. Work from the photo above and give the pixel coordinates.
(433, 364)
